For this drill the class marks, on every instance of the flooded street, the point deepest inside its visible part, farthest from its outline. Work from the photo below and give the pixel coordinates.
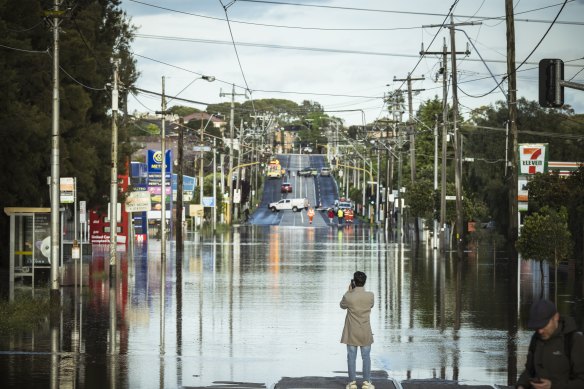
(262, 303)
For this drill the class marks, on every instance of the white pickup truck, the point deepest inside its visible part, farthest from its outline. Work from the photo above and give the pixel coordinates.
(295, 205)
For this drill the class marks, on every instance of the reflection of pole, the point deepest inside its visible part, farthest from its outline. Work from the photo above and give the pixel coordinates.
(55, 352)
(214, 184)
(162, 301)
(114, 176)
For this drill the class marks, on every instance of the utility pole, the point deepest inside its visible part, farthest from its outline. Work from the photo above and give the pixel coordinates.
(457, 156)
(114, 176)
(179, 192)
(444, 72)
(239, 171)
(512, 104)
(411, 132)
(410, 123)
(55, 173)
(163, 178)
(232, 138)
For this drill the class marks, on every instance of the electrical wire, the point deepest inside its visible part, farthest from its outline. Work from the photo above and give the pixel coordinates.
(47, 51)
(233, 42)
(275, 25)
(523, 62)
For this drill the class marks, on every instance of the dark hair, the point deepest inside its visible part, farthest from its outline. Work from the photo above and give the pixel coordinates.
(359, 277)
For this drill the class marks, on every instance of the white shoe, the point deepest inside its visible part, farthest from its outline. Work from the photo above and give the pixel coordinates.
(351, 385)
(367, 385)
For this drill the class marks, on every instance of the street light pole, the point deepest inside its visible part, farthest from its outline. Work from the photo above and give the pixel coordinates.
(55, 173)
(114, 176)
(163, 179)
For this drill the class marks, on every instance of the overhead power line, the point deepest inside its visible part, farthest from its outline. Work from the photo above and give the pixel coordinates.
(415, 13)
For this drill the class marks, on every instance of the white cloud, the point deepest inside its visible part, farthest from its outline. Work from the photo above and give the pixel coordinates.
(345, 74)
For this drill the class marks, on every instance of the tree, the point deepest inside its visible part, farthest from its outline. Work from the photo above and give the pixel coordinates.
(91, 34)
(545, 237)
(419, 199)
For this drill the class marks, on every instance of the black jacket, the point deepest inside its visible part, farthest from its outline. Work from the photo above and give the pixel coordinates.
(549, 359)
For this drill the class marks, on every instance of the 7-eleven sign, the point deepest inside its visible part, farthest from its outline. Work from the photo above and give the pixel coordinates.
(533, 158)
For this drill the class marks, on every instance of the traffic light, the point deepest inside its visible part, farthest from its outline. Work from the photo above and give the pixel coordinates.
(551, 72)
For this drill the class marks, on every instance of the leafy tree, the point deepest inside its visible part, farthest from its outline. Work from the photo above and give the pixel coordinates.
(91, 33)
(485, 141)
(545, 237)
(419, 198)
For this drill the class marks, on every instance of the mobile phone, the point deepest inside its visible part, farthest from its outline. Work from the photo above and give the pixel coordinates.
(535, 380)
(352, 284)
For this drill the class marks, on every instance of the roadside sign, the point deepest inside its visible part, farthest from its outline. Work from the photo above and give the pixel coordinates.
(82, 212)
(67, 190)
(138, 202)
(208, 201)
(196, 210)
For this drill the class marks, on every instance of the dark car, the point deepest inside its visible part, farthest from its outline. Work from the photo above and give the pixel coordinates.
(306, 172)
(286, 187)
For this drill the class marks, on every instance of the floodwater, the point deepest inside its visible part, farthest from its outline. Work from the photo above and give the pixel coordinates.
(262, 303)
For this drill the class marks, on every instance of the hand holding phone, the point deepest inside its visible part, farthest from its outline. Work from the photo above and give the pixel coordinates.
(535, 380)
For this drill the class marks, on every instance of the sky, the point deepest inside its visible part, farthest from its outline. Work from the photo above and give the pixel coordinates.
(345, 55)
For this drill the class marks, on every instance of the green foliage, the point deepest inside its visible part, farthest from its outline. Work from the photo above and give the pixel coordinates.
(545, 236)
(24, 313)
(419, 198)
(182, 110)
(90, 34)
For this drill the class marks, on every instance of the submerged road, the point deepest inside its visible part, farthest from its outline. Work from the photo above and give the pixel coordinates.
(321, 192)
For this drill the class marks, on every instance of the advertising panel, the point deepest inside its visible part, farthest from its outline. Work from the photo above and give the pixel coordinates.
(533, 158)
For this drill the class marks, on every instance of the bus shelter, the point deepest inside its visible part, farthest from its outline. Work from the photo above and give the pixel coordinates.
(30, 246)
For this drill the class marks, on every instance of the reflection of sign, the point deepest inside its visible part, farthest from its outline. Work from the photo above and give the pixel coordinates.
(196, 210)
(533, 158)
(201, 148)
(138, 202)
(67, 189)
(208, 201)
(237, 196)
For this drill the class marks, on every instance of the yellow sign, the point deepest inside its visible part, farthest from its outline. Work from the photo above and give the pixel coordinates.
(196, 210)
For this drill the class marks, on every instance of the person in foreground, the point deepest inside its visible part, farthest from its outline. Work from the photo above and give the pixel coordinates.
(357, 330)
(555, 359)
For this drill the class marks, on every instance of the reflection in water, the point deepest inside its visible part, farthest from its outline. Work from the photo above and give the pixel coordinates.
(261, 303)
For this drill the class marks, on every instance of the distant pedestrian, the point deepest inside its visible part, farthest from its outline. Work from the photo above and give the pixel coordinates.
(340, 216)
(331, 215)
(357, 330)
(310, 214)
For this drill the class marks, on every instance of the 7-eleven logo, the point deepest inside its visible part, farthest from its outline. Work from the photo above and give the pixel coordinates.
(532, 159)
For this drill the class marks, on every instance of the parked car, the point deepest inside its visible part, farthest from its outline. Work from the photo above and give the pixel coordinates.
(325, 171)
(286, 187)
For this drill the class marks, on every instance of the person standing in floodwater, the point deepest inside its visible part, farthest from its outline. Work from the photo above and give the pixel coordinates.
(357, 330)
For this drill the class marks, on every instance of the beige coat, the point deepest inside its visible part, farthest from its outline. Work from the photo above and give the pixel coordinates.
(357, 330)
